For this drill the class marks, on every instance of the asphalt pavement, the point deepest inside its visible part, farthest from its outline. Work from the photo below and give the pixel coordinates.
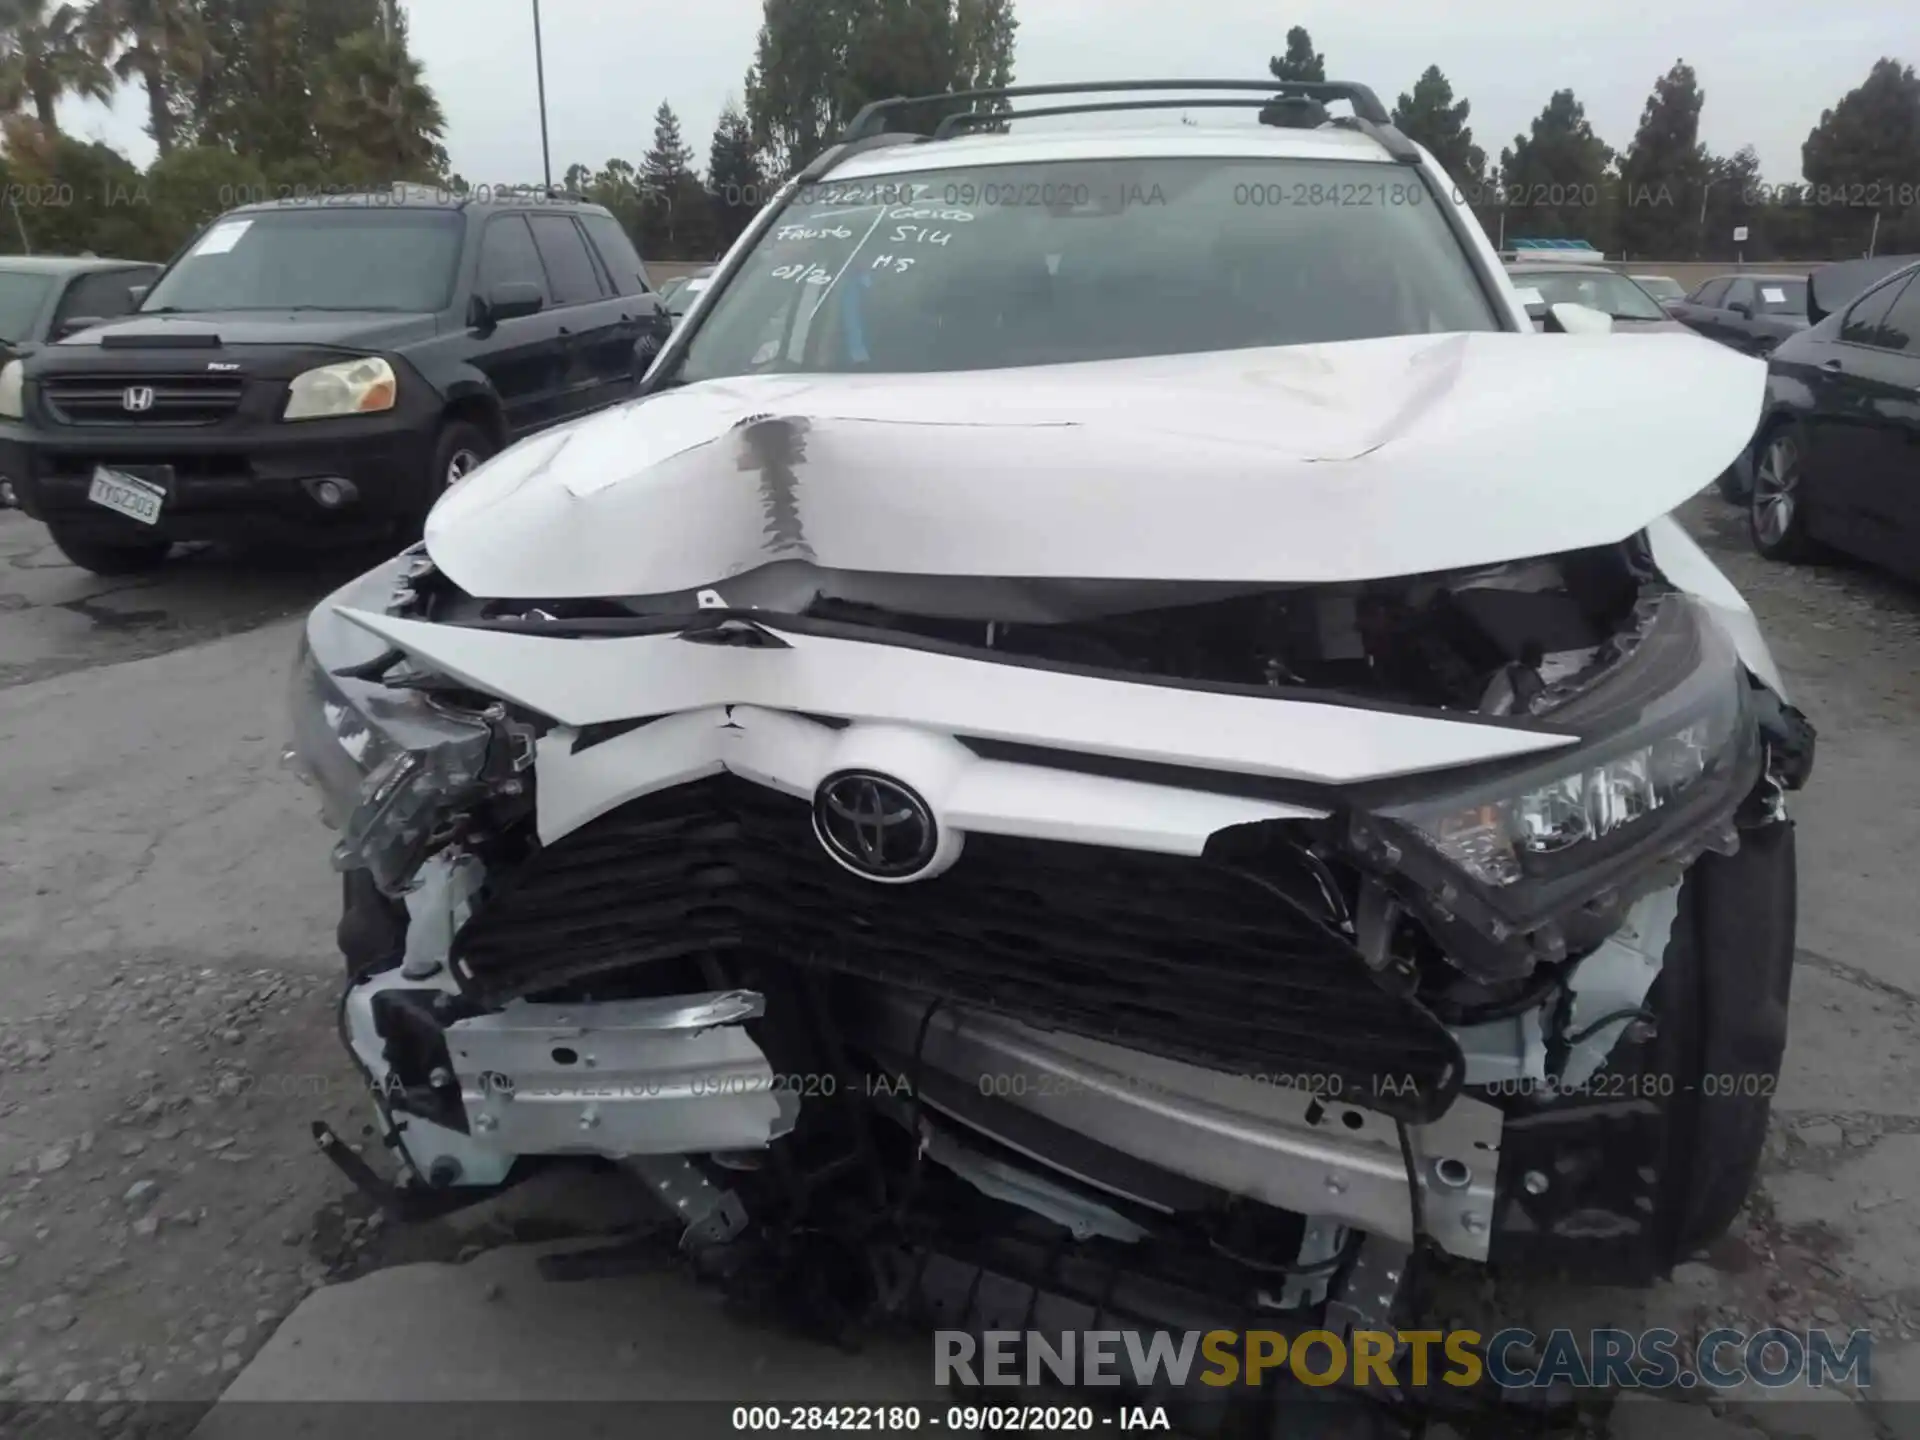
(167, 976)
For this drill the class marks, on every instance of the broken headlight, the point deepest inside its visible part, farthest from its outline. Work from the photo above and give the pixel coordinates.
(1669, 745)
(389, 765)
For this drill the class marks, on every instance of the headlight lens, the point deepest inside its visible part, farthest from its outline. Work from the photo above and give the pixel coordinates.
(353, 387)
(1672, 716)
(12, 382)
(387, 763)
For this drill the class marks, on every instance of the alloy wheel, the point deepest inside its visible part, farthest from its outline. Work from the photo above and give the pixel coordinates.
(1776, 486)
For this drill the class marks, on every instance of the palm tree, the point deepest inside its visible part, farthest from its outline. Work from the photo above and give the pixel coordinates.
(162, 42)
(44, 54)
(375, 106)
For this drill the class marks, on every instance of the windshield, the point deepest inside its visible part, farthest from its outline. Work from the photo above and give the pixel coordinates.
(1783, 297)
(1012, 265)
(1661, 287)
(351, 258)
(682, 299)
(21, 297)
(1598, 289)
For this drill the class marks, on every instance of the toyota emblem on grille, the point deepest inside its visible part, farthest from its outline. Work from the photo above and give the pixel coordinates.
(137, 398)
(873, 825)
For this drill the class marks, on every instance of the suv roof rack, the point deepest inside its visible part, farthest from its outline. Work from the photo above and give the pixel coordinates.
(1370, 116)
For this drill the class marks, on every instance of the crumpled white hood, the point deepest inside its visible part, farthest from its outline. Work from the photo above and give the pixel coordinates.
(1303, 464)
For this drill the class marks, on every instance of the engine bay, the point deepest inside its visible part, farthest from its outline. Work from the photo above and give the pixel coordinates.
(1497, 640)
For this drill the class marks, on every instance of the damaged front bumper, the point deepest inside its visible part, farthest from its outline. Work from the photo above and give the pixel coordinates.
(1259, 973)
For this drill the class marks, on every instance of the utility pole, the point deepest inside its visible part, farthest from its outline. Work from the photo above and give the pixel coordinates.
(540, 71)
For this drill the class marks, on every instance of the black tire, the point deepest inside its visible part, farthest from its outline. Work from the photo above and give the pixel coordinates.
(111, 557)
(462, 447)
(1776, 504)
(1722, 999)
(1736, 481)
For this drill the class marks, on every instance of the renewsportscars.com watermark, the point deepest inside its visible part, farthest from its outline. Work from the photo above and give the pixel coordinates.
(1394, 1359)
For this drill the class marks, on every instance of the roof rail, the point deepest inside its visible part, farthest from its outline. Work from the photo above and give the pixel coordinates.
(1371, 115)
(834, 154)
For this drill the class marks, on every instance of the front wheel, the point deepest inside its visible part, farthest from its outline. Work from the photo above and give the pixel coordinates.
(1776, 509)
(463, 447)
(1722, 1000)
(460, 448)
(1736, 481)
(110, 557)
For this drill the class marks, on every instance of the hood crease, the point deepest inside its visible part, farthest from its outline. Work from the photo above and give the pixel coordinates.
(1294, 465)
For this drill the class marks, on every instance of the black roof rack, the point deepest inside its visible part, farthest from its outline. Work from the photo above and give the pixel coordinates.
(1311, 111)
(1370, 116)
(1365, 103)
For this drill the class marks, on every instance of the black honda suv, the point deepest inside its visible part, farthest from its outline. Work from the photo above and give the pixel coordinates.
(309, 371)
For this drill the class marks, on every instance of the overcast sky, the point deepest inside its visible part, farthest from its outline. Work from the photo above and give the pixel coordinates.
(1768, 67)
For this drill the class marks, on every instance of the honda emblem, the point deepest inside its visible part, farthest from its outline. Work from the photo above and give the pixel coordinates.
(137, 398)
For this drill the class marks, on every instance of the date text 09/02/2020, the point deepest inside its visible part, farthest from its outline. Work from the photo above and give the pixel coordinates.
(958, 1419)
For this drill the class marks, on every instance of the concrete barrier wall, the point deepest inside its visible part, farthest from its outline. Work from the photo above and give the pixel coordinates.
(661, 271)
(1691, 272)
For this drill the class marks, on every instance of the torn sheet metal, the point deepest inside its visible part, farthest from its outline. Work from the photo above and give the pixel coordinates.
(1031, 1190)
(623, 1077)
(584, 682)
(1614, 980)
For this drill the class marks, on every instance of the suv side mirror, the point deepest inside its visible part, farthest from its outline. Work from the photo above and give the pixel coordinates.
(137, 293)
(509, 301)
(1742, 309)
(1568, 319)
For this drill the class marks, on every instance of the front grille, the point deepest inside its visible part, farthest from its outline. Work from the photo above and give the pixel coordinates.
(177, 399)
(1169, 954)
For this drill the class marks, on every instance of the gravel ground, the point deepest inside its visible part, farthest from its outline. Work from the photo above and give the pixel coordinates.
(167, 980)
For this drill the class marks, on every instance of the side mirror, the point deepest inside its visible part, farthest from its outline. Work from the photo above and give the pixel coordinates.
(74, 324)
(508, 301)
(138, 293)
(1742, 309)
(1567, 319)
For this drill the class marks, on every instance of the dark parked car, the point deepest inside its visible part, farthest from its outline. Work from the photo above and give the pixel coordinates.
(1837, 455)
(1753, 313)
(47, 297)
(1596, 287)
(309, 373)
(681, 297)
(1664, 288)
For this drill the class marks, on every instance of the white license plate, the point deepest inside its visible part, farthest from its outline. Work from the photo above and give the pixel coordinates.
(124, 495)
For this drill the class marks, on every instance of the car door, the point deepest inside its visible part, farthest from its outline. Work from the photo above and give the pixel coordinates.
(1733, 318)
(1887, 377)
(589, 316)
(523, 356)
(1846, 454)
(98, 295)
(644, 321)
(1780, 310)
(1698, 309)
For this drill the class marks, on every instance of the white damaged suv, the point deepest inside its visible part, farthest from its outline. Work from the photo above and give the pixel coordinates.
(1111, 722)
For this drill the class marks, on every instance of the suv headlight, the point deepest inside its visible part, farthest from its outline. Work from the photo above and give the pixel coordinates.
(12, 383)
(387, 763)
(1670, 747)
(352, 387)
